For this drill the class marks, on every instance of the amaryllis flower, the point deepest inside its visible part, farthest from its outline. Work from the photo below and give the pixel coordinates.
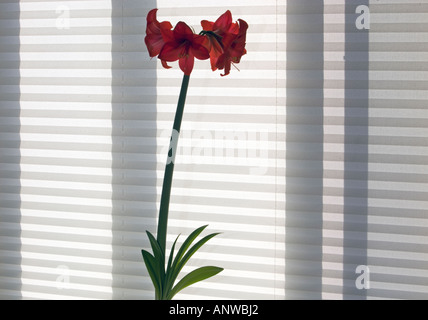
(185, 46)
(234, 48)
(226, 41)
(157, 34)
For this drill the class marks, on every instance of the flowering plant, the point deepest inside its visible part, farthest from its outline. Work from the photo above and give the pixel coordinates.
(223, 42)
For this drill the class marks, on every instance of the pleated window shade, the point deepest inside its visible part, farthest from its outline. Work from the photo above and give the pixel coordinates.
(357, 119)
(86, 117)
(311, 160)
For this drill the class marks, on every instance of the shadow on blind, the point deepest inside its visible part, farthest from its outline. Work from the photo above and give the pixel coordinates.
(356, 153)
(322, 255)
(10, 157)
(134, 146)
(304, 143)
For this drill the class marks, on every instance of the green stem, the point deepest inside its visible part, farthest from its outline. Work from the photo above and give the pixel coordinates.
(169, 169)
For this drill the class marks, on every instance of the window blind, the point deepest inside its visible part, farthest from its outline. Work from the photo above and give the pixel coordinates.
(9, 151)
(331, 95)
(229, 169)
(356, 150)
(398, 150)
(61, 151)
(89, 117)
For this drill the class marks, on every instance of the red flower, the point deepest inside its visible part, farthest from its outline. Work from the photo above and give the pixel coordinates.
(185, 46)
(222, 41)
(157, 34)
(226, 41)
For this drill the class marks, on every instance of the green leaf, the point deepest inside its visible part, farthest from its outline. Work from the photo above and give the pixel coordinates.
(159, 255)
(171, 255)
(153, 269)
(186, 244)
(179, 264)
(196, 247)
(193, 277)
(163, 280)
(172, 271)
(158, 263)
(157, 250)
(168, 284)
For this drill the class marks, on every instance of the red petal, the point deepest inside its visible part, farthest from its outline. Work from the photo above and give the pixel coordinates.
(199, 48)
(152, 23)
(226, 69)
(216, 48)
(223, 22)
(165, 25)
(238, 45)
(171, 51)
(151, 16)
(199, 52)
(207, 25)
(154, 44)
(243, 26)
(224, 62)
(165, 65)
(186, 64)
(156, 33)
(165, 30)
(213, 60)
(183, 32)
(221, 61)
